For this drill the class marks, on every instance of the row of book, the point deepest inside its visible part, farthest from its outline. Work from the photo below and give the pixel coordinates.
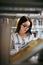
(37, 21)
(38, 34)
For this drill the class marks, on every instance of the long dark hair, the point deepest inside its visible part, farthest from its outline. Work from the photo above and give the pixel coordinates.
(22, 20)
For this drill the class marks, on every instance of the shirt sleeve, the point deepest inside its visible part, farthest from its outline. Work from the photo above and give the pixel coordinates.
(13, 46)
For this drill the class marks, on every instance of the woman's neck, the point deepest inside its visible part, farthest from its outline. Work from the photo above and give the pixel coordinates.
(23, 35)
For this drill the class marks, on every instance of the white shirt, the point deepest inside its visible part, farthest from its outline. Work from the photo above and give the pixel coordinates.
(18, 42)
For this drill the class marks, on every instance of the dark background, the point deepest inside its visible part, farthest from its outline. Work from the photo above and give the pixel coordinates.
(22, 3)
(9, 5)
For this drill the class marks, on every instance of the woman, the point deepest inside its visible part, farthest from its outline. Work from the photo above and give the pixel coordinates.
(22, 36)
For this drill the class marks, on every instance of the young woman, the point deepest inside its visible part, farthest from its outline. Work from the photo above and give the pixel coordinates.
(22, 36)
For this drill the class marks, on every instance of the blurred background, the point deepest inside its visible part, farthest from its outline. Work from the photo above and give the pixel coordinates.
(10, 13)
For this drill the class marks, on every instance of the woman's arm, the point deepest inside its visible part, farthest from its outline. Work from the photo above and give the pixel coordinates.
(14, 47)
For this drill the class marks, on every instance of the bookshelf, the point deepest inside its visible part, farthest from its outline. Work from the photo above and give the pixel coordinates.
(37, 27)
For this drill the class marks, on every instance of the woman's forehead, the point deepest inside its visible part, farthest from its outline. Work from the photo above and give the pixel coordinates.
(27, 22)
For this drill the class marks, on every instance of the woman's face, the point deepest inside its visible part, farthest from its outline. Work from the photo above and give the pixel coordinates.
(25, 26)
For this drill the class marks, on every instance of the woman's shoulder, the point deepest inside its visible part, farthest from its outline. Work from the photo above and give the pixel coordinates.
(31, 35)
(14, 34)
